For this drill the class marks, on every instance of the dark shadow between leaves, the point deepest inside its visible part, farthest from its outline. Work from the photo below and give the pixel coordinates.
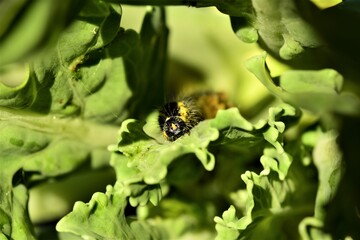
(134, 134)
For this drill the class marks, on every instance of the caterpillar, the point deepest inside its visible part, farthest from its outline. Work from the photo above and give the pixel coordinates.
(177, 118)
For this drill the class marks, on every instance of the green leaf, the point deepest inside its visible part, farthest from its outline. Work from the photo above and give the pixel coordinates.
(276, 158)
(107, 105)
(280, 30)
(295, 201)
(328, 160)
(270, 206)
(14, 218)
(35, 138)
(87, 220)
(180, 218)
(228, 226)
(78, 77)
(48, 147)
(326, 80)
(93, 212)
(342, 219)
(317, 91)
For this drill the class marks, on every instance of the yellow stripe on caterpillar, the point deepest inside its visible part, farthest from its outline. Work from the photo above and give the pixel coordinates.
(183, 111)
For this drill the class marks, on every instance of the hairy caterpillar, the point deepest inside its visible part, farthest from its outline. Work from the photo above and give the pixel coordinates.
(177, 118)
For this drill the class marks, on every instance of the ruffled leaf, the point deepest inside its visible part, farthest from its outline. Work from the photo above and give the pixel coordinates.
(87, 219)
